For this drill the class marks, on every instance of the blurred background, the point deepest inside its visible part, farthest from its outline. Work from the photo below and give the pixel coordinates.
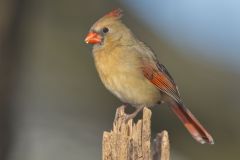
(53, 105)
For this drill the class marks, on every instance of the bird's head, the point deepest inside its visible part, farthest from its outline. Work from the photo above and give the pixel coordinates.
(107, 30)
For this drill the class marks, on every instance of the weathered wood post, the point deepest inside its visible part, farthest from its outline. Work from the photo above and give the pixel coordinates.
(132, 141)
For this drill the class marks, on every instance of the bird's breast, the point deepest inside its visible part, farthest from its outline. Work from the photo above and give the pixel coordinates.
(121, 73)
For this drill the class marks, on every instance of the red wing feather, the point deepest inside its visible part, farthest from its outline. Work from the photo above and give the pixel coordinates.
(162, 80)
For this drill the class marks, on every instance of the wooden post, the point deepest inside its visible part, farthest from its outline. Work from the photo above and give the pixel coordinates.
(132, 141)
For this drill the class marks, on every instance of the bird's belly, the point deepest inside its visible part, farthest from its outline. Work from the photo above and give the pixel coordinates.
(120, 71)
(133, 88)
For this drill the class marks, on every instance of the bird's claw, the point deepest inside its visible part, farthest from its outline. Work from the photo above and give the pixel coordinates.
(127, 118)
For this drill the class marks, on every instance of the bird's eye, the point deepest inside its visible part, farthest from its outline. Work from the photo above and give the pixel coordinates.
(105, 30)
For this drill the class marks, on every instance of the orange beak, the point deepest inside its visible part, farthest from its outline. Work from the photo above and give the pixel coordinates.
(93, 38)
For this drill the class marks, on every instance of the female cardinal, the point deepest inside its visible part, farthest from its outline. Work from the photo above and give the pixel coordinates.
(131, 71)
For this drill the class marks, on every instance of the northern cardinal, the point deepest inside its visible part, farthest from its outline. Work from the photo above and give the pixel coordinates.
(131, 71)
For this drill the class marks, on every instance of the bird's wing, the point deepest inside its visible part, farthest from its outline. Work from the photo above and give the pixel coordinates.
(161, 78)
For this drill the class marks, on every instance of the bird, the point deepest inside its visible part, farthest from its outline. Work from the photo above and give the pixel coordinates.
(130, 70)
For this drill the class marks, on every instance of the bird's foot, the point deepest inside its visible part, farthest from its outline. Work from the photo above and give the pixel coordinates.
(134, 114)
(129, 116)
(126, 117)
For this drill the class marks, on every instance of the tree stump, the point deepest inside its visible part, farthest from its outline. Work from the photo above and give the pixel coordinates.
(132, 141)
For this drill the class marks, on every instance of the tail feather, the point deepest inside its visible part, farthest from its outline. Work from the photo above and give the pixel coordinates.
(198, 132)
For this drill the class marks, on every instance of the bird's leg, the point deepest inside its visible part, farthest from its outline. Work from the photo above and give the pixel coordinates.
(131, 116)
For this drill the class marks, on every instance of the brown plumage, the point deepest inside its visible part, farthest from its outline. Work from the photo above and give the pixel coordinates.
(131, 71)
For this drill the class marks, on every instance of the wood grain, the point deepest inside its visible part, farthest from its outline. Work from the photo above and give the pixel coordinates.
(132, 141)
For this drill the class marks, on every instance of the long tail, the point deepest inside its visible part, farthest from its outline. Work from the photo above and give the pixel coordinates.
(198, 132)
